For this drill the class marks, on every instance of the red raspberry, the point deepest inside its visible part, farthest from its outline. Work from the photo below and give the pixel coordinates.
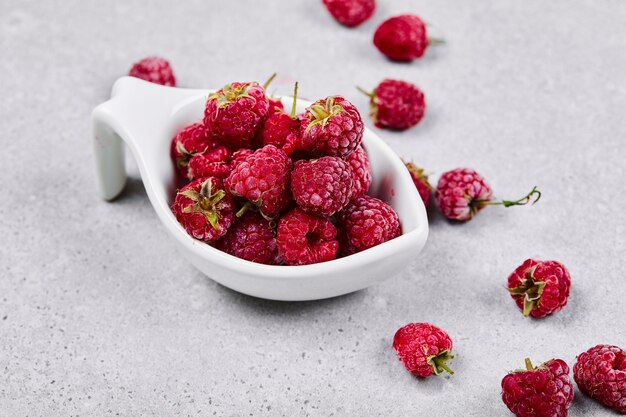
(396, 104)
(322, 186)
(234, 114)
(264, 179)
(240, 156)
(365, 223)
(544, 391)
(191, 140)
(251, 238)
(540, 288)
(600, 373)
(204, 209)
(154, 69)
(360, 165)
(283, 130)
(213, 162)
(331, 126)
(305, 238)
(421, 181)
(350, 13)
(461, 193)
(403, 38)
(424, 349)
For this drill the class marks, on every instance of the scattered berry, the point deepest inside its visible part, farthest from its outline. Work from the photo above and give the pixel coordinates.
(544, 391)
(365, 223)
(205, 209)
(351, 13)
(154, 69)
(396, 104)
(304, 238)
(600, 373)
(213, 162)
(424, 349)
(191, 140)
(234, 114)
(461, 193)
(264, 179)
(402, 38)
(251, 238)
(283, 130)
(331, 126)
(540, 288)
(360, 165)
(421, 181)
(322, 186)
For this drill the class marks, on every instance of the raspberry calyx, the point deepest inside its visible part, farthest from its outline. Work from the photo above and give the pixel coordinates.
(323, 113)
(531, 290)
(206, 202)
(438, 362)
(230, 93)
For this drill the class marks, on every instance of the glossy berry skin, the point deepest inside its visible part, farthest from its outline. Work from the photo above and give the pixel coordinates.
(402, 38)
(540, 288)
(362, 173)
(421, 182)
(282, 131)
(423, 349)
(304, 238)
(154, 69)
(275, 105)
(191, 140)
(366, 222)
(205, 209)
(545, 391)
(460, 194)
(234, 115)
(322, 186)
(600, 373)
(350, 13)
(264, 178)
(397, 105)
(214, 162)
(251, 238)
(331, 126)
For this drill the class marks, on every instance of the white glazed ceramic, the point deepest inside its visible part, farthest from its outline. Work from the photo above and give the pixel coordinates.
(146, 116)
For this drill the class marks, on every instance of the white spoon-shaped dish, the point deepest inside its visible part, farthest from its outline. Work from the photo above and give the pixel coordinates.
(146, 117)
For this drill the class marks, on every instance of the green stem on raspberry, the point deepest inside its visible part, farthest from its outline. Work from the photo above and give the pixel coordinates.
(506, 203)
(295, 100)
(529, 364)
(438, 362)
(435, 41)
(269, 81)
(247, 206)
(370, 94)
(531, 290)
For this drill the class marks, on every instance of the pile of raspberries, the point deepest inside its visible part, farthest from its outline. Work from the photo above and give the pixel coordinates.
(278, 188)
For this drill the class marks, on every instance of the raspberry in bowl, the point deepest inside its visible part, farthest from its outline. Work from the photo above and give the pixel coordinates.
(146, 117)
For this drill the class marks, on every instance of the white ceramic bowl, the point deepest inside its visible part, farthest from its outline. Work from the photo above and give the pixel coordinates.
(146, 116)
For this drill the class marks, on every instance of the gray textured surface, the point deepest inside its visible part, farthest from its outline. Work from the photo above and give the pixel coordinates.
(99, 316)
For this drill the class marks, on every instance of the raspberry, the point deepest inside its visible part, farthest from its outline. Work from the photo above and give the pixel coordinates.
(240, 156)
(350, 13)
(264, 179)
(305, 238)
(365, 223)
(544, 391)
(154, 69)
(283, 130)
(234, 114)
(540, 288)
(360, 165)
(191, 140)
(251, 238)
(396, 104)
(424, 349)
(204, 209)
(461, 193)
(600, 373)
(213, 162)
(331, 126)
(322, 186)
(403, 38)
(421, 181)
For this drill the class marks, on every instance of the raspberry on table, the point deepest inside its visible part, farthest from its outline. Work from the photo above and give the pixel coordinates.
(540, 288)
(304, 238)
(264, 179)
(350, 13)
(366, 222)
(190, 141)
(423, 349)
(204, 209)
(331, 126)
(322, 186)
(544, 391)
(251, 238)
(421, 181)
(600, 373)
(362, 173)
(403, 38)
(154, 69)
(396, 104)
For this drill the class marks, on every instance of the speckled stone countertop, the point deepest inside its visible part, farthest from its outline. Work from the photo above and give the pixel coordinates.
(99, 315)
